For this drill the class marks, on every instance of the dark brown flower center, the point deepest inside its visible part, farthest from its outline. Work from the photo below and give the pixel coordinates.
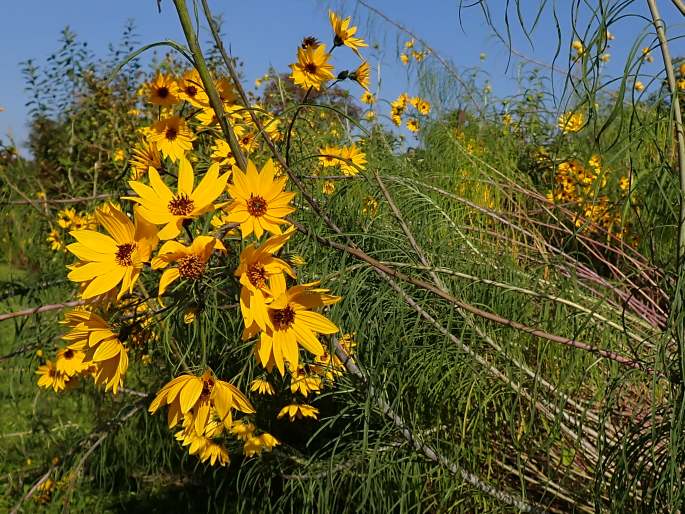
(207, 386)
(191, 267)
(256, 205)
(171, 133)
(181, 205)
(256, 273)
(68, 353)
(124, 253)
(163, 92)
(310, 67)
(310, 42)
(282, 318)
(191, 91)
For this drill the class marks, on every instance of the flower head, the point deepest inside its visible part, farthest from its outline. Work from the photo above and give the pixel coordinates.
(163, 91)
(262, 386)
(298, 411)
(362, 75)
(172, 137)
(259, 201)
(344, 34)
(571, 122)
(160, 206)
(191, 90)
(144, 157)
(50, 378)
(312, 68)
(190, 261)
(257, 444)
(107, 260)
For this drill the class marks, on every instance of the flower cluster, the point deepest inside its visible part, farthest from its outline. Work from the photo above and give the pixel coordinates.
(66, 220)
(411, 52)
(414, 107)
(570, 122)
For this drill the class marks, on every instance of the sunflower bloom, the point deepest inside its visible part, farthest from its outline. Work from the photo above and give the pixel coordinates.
(50, 378)
(160, 206)
(189, 394)
(298, 411)
(344, 34)
(303, 383)
(259, 272)
(571, 122)
(106, 260)
(172, 137)
(262, 386)
(353, 160)
(191, 261)
(259, 201)
(312, 68)
(191, 90)
(368, 98)
(69, 362)
(329, 156)
(102, 348)
(163, 91)
(292, 322)
(255, 445)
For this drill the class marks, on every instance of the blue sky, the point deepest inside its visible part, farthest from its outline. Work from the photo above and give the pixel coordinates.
(266, 32)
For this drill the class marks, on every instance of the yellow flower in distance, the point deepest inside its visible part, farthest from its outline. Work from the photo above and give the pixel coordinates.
(163, 91)
(298, 411)
(404, 58)
(103, 350)
(262, 386)
(257, 444)
(144, 156)
(368, 98)
(160, 206)
(571, 122)
(312, 68)
(172, 137)
(292, 322)
(50, 378)
(259, 201)
(190, 394)
(328, 187)
(191, 90)
(344, 34)
(259, 272)
(107, 260)
(191, 261)
(413, 124)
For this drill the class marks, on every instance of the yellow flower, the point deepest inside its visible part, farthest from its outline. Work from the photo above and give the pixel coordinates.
(55, 240)
(50, 377)
(191, 90)
(404, 58)
(354, 160)
(370, 115)
(578, 46)
(195, 396)
(259, 272)
(297, 411)
(328, 187)
(163, 91)
(69, 362)
(258, 444)
(172, 137)
(119, 155)
(108, 260)
(103, 350)
(304, 384)
(647, 54)
(624, 183)
(344, 34)
(312, 68)
(413, 124)
(423, 106)
(370, 207)
(419, 56)
(681, 84)
(259, 201)
(639, 86)
(368, 98)
(160, 206)
(409, 44)
(44, 491)
(191, 260)
(66, 217)
(262, 386)
(605, 57)
(571, 122)
(144, 156)
(329, 156)
(291, 321)
(362, 75)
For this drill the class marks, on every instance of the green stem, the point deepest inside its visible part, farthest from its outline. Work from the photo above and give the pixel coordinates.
(208, 83)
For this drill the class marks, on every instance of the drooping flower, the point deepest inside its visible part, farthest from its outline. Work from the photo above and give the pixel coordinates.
(328, 187)
(50, 378)
(291, 322)
(242, 430)
(344, 34)
(190, 394)
(163, 91)
(172, 137)
(362, 75)
(102, 348)
(160, 206)
(298, 411)
(106, 260)
(262, 386)
(259, 201)
(312, 68)
(304, 383)
(144, 157)
(258, 444)
(259, 272)
(191, 261)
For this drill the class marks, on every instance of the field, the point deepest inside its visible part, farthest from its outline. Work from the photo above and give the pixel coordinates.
(301, 296)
